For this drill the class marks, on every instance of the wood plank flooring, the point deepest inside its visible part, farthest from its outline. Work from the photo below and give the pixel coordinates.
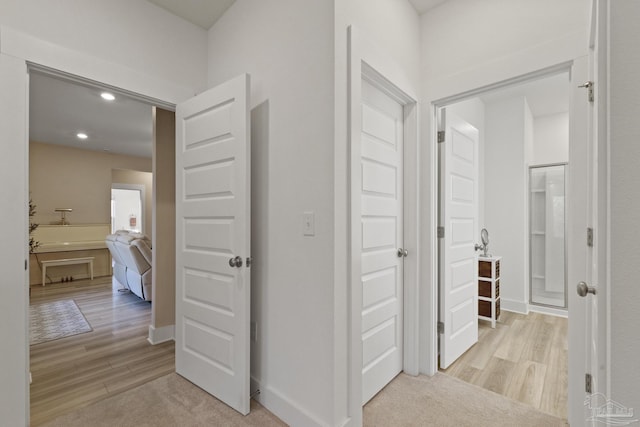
(523, 358)
(76, 371)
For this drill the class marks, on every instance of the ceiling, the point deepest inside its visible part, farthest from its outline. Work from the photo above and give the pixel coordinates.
(59, 109)
(203, 13)
(422, 6)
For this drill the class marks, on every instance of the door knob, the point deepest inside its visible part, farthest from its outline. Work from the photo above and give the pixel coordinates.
(235, 262)
(584, 289)
(402, 253)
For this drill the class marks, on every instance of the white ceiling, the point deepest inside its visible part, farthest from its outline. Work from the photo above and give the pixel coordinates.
(424, 5)
(59, 109)
(203, 13)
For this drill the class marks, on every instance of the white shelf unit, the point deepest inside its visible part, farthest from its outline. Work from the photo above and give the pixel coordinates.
(489, 288)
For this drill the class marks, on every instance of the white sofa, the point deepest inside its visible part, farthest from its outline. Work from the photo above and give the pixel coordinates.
(131, 253)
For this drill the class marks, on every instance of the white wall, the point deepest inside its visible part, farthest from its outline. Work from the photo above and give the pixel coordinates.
(507, 122)
(551, 139)
(625, 204)
(135, 34)
(128, 44)
(14, 370)
(287, 48)
(460, 35)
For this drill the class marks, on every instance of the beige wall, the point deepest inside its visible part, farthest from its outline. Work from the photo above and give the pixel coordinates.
(164, 222)
(127, 176)
(63, 177)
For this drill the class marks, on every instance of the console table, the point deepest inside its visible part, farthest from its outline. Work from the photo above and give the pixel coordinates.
(67, 261)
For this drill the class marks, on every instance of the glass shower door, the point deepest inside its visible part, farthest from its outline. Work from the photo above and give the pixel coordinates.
(547, 243)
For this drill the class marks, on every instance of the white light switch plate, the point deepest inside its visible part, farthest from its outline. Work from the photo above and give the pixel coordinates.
(308, 224)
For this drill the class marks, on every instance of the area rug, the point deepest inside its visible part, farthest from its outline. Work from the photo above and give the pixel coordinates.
(54, 320)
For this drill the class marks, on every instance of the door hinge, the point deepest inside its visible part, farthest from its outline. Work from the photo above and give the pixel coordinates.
(588, 383)
(589, 86)
(26, 264)
(440, 327)
(590, 237)
(440, 232)
(440, 136)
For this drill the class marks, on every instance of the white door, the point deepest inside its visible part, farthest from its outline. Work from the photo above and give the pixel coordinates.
(212, 241)
(458, 310)
(588, 210)
(579, 255)
(381, 221)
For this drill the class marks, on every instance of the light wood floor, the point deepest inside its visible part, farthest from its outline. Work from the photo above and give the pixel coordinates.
(523, 358)
(76, 371)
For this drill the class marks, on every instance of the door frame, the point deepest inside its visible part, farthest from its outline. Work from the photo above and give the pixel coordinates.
(23, 54)
(367, 61)
(572, 230)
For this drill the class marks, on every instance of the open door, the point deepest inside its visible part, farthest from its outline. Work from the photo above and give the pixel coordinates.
(458, 270)
(213, 241)
(588, 161)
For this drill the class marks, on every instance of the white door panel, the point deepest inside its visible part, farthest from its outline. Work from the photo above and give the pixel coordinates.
(381, 233)
(458, 259)
(580, 259)
(212, 227)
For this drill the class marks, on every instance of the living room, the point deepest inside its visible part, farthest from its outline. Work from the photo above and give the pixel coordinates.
(90, 332)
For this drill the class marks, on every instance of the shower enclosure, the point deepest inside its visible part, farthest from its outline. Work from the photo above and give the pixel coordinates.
(547, 242)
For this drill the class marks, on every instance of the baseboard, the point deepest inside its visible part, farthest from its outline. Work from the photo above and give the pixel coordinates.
(560, 312)
(161, 334)
(513, 305)
(284, 408)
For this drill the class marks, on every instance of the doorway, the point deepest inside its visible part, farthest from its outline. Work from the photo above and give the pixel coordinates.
(127, 203)
(105, 168)
(547, 236)
(520, 126)
(383, 259)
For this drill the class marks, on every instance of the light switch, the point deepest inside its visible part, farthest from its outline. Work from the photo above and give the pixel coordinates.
(308, 224)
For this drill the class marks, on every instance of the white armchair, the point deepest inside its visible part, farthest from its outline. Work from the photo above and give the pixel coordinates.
(131, 254)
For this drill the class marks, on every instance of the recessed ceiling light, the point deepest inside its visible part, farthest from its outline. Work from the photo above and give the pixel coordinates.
(107, 96)
(82, 135)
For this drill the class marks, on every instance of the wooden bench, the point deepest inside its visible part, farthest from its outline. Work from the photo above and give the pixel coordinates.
(67, 261)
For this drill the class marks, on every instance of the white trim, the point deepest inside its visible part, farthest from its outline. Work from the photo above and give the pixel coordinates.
(284, 408)
(14, 297)
(367, 60)
(161, 334)
(551, 311)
